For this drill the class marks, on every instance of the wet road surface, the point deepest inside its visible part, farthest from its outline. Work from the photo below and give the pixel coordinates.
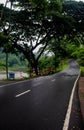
(40, 103)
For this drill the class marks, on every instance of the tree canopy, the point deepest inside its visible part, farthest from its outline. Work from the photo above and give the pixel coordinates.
(36, 23)
(76, 10)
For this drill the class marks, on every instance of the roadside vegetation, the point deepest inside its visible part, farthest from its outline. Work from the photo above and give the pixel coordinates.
(40, 36)
(15, 63)
(46, 65)
(82, 71)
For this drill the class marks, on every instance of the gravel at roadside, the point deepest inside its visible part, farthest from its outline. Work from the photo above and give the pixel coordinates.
(3, 82)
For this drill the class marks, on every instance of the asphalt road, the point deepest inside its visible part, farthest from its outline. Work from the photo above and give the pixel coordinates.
(40, 103)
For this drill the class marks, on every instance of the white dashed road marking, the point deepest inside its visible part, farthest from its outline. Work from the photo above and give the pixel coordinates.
(18, 95)
(53, 80)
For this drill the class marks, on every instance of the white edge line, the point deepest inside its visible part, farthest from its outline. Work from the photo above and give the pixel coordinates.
(18, 95)
(67, 118)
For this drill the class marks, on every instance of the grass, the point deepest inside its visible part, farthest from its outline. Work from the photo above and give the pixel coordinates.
(62, 66)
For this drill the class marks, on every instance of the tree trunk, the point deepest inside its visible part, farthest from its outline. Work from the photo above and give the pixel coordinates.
(36, 69)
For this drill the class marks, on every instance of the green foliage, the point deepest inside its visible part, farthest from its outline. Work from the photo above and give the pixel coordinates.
(55, 5)
(41, 4)
(62, 65)
(3, 39)
(58, 47)
(82, 71)
(70, 50)
(5, 43)
(14, 62)
(46, 62)
(79, 54)
(72, 45)
(33, 24)
(76, 10)
(37, 23)
(46, 65)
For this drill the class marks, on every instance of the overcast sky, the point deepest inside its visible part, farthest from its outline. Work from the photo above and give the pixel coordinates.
(3, 1)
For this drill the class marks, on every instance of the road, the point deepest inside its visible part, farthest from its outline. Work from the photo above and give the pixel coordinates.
(40, 103)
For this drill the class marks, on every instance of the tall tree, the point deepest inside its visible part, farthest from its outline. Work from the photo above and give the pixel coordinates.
(35, 24)
(58, 47)
(76, 10)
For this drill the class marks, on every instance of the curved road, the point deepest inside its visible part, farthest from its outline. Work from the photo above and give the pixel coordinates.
(41, 103)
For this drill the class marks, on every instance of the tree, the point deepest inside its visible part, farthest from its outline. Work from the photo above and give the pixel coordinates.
(76, 10)
(58, 47)
(4, 40)
(46, 65)
(79, 54)
(35, 24)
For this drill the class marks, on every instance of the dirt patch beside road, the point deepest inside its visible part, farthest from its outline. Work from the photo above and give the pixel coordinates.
(3, 82)
(81, 95)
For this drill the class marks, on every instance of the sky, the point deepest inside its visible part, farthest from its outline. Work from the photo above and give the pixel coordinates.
(3, 2)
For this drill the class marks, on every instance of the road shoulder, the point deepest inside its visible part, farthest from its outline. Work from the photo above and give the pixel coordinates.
(81, 95)
(4, 82)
